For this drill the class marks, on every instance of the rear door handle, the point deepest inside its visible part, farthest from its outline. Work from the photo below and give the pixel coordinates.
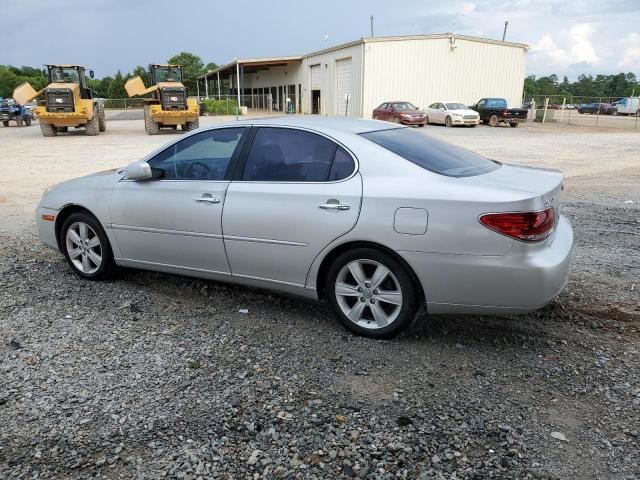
(208, 199)
(334, 206)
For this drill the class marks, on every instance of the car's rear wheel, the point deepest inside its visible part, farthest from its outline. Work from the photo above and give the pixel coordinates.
(372, 293)
(86, 247)
(514, 124)
(493, 120)
(448, 122)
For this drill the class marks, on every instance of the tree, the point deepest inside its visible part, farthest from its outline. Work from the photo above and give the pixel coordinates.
(116, 88)
(141, 72)
(192, 67)
(210, 66)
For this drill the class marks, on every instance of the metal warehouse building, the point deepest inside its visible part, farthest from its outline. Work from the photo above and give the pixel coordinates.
(354, 78)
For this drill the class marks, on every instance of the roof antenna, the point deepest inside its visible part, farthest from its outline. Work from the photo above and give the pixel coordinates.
(371, 21)
(504, 34)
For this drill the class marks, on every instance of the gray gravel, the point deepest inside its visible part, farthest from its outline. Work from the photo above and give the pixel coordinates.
(154, 375)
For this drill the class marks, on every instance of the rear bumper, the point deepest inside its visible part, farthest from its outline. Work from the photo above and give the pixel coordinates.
(513, 283)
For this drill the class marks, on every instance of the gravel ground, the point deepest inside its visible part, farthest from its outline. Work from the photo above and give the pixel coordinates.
(154, 375)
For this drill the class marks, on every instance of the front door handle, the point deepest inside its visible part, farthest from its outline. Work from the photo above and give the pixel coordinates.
(334, 206)
(208, 199)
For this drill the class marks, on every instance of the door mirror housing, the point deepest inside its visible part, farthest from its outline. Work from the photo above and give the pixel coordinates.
(139, 171)
(442, 108)
(91, 73)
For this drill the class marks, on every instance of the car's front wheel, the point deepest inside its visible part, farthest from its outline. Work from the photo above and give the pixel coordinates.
(86, 247)
(372, 293)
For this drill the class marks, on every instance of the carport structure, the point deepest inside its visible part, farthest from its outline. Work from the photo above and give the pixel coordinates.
(261, 83)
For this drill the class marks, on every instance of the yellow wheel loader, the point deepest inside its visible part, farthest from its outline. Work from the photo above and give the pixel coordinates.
(67, 101)
(166, 104)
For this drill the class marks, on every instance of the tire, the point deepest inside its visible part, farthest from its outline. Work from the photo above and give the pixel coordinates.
(375, 117)
(18, 121)
(48, 130)
(514, 124)
(102, 120)
(78, 250)
(5, 123)
(92, 127)
(448, 122)
(474, 125)
(396, 120)
(150, 125)
(193, 125)
(421, 125)
(485, 122)
(397, 285)
(493, 120)
(62, 129)
(426, 121)
(27, 121)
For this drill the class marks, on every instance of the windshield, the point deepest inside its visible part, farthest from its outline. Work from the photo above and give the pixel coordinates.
(168, 74)
(455, 106)
(431, 154)
(64, 75)
(404, 106)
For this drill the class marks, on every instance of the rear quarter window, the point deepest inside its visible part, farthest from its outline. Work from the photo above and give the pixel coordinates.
(432, 154)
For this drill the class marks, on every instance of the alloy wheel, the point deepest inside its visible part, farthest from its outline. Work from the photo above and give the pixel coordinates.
(83, 247)
(368, 294)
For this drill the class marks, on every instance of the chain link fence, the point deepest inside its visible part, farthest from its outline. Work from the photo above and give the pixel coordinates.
(608, 112)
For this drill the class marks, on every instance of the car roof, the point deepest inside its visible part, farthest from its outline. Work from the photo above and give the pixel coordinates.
(344, 124)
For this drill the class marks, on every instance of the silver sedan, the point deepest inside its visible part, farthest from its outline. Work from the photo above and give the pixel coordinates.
(379, 220)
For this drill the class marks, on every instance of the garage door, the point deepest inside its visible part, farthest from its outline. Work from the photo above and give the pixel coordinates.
(344, 74)
(315, 77)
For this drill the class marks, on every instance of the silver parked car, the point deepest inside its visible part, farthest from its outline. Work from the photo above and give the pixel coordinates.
(378, 219)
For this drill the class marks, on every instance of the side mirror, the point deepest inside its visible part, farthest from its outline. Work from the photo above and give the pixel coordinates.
(442, 108)
(138, 171)
(91, 73)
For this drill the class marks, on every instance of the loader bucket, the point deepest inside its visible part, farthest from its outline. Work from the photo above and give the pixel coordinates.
(135, 86)
(24, 93)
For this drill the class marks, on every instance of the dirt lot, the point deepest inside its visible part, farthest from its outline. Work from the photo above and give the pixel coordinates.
(156, 375)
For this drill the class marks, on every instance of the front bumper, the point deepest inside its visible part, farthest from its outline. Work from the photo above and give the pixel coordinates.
(47, 228)
(465, 121)
(413, 121)
(521, 281)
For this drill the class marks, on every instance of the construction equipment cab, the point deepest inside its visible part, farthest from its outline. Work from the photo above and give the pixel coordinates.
(67, 102)
(166, 101)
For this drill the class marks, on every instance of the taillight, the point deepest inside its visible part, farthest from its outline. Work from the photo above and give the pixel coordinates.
(524, 226)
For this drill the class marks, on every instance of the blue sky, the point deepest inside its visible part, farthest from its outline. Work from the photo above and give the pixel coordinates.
(566, 36)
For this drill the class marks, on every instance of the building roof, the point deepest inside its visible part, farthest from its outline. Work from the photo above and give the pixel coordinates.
(257, 63)
(281, 61)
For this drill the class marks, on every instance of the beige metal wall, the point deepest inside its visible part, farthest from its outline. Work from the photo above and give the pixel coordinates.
(327, 60)
(424, 71)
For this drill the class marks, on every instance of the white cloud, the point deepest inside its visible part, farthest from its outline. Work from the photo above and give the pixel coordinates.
(630, 51)
(579, 49)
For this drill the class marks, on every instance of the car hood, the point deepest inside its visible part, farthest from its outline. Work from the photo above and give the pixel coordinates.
(464, 111)
(53, 195)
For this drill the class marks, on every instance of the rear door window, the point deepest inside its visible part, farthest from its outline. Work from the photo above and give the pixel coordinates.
(431, 154)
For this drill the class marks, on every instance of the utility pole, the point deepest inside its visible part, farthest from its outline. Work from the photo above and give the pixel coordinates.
(371, 21)
(504, 34)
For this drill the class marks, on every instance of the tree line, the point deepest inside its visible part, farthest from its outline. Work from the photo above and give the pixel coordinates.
(611, 86)
(109, 86)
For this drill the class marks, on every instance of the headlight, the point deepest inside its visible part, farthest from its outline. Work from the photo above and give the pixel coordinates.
(405, 115)
(457, 115)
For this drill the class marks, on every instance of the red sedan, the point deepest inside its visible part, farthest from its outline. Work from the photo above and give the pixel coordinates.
(400, 112)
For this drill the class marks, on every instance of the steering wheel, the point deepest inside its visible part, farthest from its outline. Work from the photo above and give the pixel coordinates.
(197, 171)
